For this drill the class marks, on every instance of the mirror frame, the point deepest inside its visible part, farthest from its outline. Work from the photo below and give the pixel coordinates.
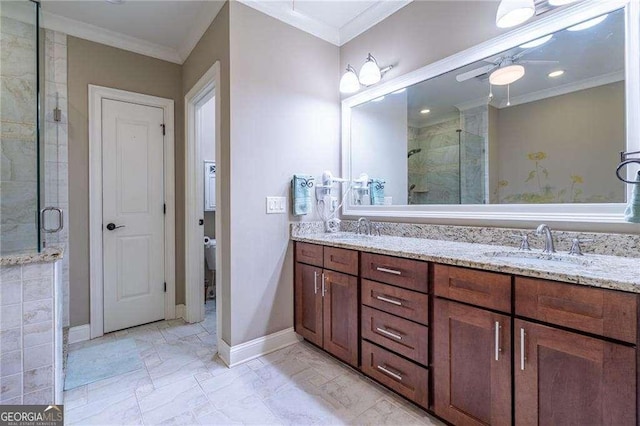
(610, 215)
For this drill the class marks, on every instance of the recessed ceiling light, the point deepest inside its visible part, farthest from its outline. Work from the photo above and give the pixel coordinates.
(537, 42)
(399, 91)
(378, 99)
(588, 24)
(554, 74)
(425, 111)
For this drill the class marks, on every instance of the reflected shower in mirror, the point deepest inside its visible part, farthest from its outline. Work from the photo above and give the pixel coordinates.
(541, 123)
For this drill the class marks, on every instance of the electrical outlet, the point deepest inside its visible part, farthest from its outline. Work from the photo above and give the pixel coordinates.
(276, 205)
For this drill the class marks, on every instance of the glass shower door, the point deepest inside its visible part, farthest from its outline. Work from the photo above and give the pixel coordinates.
(19, 128)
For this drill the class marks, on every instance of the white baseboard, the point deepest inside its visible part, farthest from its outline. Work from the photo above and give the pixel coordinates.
(180, 311)
(238, 354)
(79, 333)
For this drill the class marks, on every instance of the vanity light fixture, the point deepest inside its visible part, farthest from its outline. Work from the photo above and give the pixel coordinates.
(537, 42)
(425, 111)
(514, 12)
(349, 82)
(370, 71)
(557, 73)
(506, 75)
(588, 24)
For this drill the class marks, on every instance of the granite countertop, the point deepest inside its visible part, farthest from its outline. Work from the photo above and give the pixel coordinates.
(613, 272)
(50, 254)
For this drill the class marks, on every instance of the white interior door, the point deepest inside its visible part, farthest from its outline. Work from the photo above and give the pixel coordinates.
(133, 214)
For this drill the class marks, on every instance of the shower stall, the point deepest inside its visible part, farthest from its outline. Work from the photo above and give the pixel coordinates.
(32, 131)
(446, 166)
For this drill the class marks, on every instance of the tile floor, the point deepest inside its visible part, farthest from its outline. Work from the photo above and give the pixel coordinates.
(184, 383)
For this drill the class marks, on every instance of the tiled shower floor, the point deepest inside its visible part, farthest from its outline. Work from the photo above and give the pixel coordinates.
(184, 383)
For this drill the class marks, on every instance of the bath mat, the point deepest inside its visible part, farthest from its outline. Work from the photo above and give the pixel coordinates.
(88, 365)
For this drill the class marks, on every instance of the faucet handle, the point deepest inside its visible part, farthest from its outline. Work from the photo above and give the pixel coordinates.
(524, 241)
(575, 249)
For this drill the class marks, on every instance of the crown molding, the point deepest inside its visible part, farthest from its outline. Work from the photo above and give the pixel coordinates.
(110, 38)
(370, 17)
(198, 28)
(335, 36)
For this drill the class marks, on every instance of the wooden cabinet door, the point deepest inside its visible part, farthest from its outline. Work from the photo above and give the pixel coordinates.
(308, 303)
(471, 365)
(341, 316)
(564, 378)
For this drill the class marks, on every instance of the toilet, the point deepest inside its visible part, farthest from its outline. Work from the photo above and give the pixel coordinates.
(210, 253)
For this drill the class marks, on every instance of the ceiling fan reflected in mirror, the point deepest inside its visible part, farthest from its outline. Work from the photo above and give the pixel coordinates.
(504, 70)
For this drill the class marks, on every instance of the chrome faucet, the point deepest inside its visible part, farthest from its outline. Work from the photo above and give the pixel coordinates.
(367, 223)
(549, 247)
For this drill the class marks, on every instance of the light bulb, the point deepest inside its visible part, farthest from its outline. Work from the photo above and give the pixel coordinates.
(349, 82)
(537, 42)
(506, 75)
(370, 72)
(554, 74)
(514, 12)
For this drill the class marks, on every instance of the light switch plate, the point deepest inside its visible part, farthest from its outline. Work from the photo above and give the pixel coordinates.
(276, 205)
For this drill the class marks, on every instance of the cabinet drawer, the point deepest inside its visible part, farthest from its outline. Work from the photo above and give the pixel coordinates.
(407, 304)
(397, 334)
(341, 260)
(486, 289)
(603, 312)
(309, 253)
(404, 377)
(407, 273)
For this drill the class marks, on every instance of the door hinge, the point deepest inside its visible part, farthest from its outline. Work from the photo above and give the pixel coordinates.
(164, 129)
(164, 208)
(165, 287)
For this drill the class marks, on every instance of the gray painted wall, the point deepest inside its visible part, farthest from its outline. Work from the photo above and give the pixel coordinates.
(285, 119)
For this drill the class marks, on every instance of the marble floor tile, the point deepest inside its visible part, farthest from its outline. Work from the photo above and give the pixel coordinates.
(183, 382)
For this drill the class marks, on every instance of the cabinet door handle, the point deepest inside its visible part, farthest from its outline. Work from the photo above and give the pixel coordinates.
(388, 333)
(323, 285)
(498, 341)
(522, 357)
(386, 299)
(389, 372)
(388, 271)
(315, 282)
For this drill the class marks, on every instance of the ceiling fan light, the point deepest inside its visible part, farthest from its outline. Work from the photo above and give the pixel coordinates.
(349, 82)
(588, 24)
(506, 75)
(560, 2)
(514, 12)
(370, 72)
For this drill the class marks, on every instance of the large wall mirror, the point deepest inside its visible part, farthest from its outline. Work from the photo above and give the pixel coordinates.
(534, 124)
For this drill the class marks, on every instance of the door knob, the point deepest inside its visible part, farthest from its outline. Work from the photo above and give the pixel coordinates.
(112, 226)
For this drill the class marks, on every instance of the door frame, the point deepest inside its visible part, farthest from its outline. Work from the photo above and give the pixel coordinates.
(96, 283)
(194, 247)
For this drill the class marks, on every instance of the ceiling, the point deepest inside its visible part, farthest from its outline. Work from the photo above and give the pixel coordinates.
(169, 29)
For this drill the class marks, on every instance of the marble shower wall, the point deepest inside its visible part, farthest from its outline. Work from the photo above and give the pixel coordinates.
(56, 179)
(18, 137)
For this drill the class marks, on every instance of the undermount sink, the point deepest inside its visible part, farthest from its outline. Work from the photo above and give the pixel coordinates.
(537, 259)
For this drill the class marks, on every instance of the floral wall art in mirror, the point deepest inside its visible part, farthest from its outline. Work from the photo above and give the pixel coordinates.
(528, 126)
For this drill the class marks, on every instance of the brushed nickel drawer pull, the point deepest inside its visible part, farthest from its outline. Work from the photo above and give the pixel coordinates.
(389, 373)
(388, 333)
(388, 271)
(522, 357)
(315, 282)
(498, 350)
(385, 299)
(323, 281)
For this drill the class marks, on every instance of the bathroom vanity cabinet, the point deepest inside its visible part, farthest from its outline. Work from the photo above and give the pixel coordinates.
(474, 347)
(326, 299)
